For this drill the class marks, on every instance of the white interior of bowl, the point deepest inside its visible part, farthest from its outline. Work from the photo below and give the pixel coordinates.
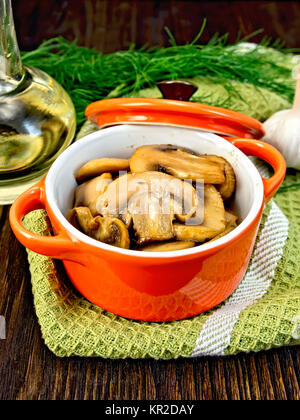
(121, 141)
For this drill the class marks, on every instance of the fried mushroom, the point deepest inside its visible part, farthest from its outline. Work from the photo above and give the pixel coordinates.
(231, 223)
(213, 223)
(178, 162)
(112, 231)
(168, 246)
(87, 194)
(149, 221)
(231, 219)
(81, 218)
(97, 167)
(227, 188)
(109, 230)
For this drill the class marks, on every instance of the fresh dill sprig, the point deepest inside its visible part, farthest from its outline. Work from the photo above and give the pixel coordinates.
(88, 75)
(295, 186)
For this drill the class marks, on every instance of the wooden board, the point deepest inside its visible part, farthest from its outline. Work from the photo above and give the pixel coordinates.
(109, 25)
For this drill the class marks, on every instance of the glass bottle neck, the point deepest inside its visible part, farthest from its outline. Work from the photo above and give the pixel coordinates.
(11, 69)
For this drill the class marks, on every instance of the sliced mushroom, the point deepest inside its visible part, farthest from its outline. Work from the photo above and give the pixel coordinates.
(153, 200)
(109, 230)
(227, 188)
(87, 194)
(177, 162)
(175, 208)
(231, 219)
(81, 218)
(126, 218)
(178, 194)
(149, 222)
(168, 246)
(115, 199)
(214, 219)
(226, 231)
(112, 231)
(99, 166)
(231, 223)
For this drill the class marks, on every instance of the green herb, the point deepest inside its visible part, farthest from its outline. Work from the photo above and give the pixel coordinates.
(289, 187)
(88, 75)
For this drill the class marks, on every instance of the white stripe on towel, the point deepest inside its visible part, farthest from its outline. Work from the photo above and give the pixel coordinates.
(216, 332)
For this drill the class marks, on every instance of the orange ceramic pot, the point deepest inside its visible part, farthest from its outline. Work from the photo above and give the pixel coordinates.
(145, 285)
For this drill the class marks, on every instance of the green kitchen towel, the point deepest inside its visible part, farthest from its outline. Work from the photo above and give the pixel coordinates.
(262, 313)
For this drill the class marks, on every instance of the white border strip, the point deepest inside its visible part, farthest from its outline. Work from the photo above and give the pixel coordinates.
(216, 332)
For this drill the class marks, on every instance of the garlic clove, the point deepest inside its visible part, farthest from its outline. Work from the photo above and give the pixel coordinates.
(283, 132)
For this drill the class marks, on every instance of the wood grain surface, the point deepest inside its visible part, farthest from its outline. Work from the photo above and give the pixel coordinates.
(28, 370)
(109, 25)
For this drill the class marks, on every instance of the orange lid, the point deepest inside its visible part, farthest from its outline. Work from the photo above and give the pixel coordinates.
(180, 113)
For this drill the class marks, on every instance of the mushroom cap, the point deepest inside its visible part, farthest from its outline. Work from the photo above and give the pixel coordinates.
(180, 163)
(231, 219)
(149, 221)
(112, 231)
(227, 188)
(231, 223)
(87, 194)
(97, 167)
(213, 223)
(80, 218)
(109, 230)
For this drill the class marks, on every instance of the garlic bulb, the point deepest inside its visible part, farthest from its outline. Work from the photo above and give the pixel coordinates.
(283, 131)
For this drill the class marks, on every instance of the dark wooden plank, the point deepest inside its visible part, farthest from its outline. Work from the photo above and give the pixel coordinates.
(28, 370)
(290, 369)
(109, 25)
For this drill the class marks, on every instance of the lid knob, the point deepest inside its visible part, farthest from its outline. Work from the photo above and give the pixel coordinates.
(178, 90)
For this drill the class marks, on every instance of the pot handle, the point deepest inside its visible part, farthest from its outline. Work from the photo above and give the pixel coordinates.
(268, 153)
(60, 246)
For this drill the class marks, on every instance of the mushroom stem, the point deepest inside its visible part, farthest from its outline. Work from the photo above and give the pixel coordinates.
(109, 230)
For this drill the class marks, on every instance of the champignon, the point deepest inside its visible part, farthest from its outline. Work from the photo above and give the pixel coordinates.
(231, 219)
(231, 223)
(149, 221)
(126, 218)
(87, 194)
(178, 162)
(112, 231)
(81, 218)
(109, 230)
(99, 166)
(226, 231)
(214, 219)
(227, 188)
(168, 246)
(153, 200)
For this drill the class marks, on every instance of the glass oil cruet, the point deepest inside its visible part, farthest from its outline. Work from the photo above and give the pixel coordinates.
(37, 117)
